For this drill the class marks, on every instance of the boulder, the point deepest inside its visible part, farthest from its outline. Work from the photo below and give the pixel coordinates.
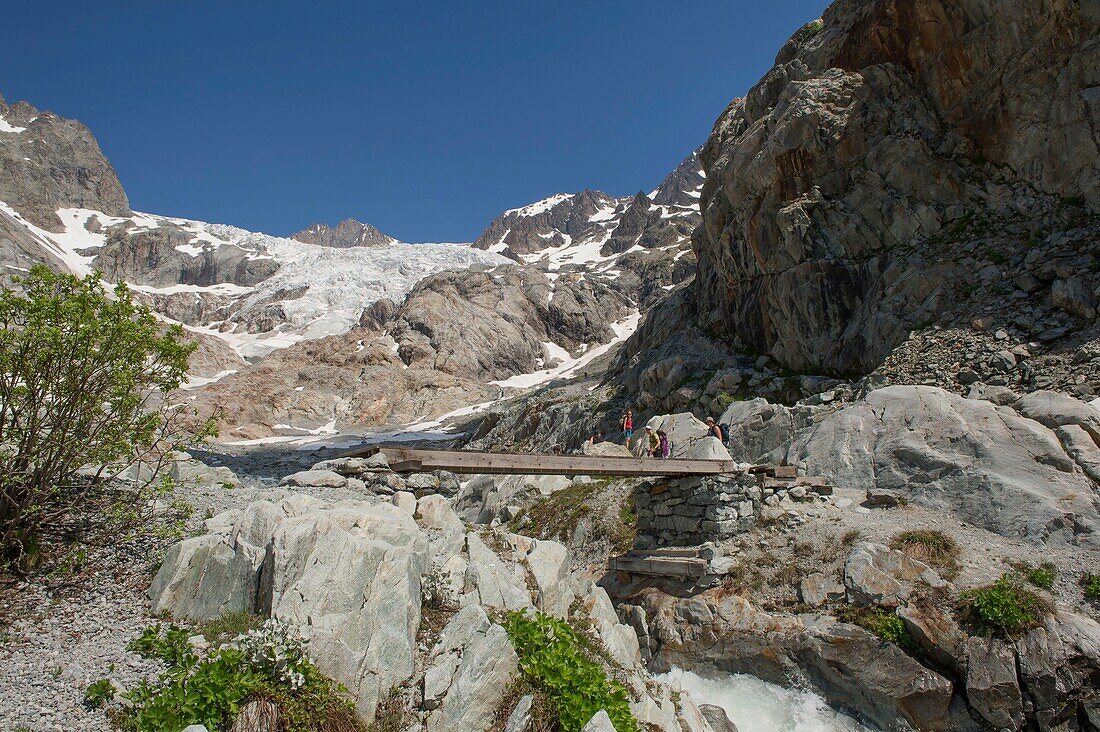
(683, 430)
(1081, 446)
(707, 448)
(346, 574)
(938, 635)
(468, 673)
(1054, 409)
(315, 478)
(717, 718)
(203, 578)
(1074, 296)
(761, 432)
(883, 497)
(985, 464)
(877, 575)
(992, 686)
(605, 449)
(818, 589)
(489, 582)
(600, 722)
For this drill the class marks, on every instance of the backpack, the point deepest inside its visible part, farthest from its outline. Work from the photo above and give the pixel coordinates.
(725, 428)
(665, 444)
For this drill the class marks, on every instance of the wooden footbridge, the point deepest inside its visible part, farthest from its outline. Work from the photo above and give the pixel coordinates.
(413, 460)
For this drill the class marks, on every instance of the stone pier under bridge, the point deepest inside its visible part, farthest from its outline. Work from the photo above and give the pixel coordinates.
(684, 524)
(695, 510)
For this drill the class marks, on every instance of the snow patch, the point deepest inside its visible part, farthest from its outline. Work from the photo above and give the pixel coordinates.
(534, 209)
(569, 366)
(8, 127)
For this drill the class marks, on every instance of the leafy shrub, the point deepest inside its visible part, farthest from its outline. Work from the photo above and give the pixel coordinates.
(83, 380)
(268, 663)
(1005, 608)
(815, 26)
(99, 693)
(1091, 584)
(930, 546)
(551, 656)
(1042, 576)
(884, 624)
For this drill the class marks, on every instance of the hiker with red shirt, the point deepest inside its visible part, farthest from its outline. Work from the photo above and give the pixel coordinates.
(627, 423)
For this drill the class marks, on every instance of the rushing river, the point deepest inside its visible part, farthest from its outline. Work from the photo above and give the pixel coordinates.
(757, 706)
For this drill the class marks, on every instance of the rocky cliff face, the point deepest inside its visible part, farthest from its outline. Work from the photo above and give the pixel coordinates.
(841, 191)
(348, 233)
(638, 244)
(47, 163)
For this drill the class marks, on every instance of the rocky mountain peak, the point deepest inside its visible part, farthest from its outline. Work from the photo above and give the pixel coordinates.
(682, 186)
(348, 233)
(48, 162)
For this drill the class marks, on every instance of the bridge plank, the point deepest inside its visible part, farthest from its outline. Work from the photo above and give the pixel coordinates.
(407, 459)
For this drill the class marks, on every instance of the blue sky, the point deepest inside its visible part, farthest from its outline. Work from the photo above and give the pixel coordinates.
(424, 118)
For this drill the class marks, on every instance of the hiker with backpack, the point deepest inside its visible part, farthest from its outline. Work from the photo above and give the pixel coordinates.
(653, 443)
(714, 430)
(664, 447)
(627, 423)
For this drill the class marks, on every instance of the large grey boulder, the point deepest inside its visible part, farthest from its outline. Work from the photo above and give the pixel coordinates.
(761, 432)
(490, 582)
(992, 685)
(1054, 409)
(985, 464)
(683, 430)
(620, 640)
(877, 575)
(318, 478)
(939, 636)
(468, 673)
(202, 578)
(346, 574)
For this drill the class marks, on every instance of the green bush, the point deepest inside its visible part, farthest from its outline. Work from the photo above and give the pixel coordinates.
(552, 657)
(884, 624)
(1005, 608)
(1042, 576)
(266, 663)
(99, 693)
(1091, 585)
(83, 380)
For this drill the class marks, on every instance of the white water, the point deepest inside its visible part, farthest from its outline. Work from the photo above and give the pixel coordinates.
(757, 706)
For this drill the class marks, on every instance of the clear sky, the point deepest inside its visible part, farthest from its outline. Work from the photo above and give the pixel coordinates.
(424, 118)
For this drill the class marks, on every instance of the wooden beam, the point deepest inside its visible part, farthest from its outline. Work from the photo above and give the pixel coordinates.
(407, 459)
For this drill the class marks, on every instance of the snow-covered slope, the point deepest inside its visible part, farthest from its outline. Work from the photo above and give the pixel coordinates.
(591, 230)
(312, 291)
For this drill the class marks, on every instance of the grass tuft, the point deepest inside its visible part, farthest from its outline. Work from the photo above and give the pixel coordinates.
(932, 547)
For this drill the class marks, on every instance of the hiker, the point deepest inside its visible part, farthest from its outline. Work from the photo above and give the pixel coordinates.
(627, 423)
(596, 438)
(653, 443)
(714, 430)
(665, 446)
